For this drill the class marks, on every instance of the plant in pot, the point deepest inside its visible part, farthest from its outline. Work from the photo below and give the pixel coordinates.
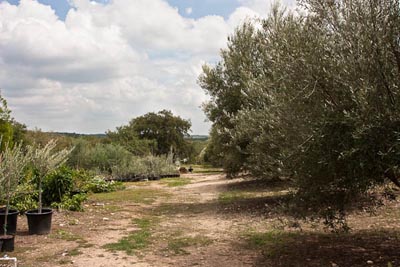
(44, 160)
(13, 161)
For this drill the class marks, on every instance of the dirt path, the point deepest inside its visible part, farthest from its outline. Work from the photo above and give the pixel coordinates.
(205, 220)
(187, 229)
(189, 213)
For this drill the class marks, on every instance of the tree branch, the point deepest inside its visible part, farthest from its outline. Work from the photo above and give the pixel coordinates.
(389, 173)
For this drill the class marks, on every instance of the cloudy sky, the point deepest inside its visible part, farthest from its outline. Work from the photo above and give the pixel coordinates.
(89, 66)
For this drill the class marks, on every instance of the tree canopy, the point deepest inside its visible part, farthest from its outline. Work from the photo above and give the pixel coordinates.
(160, 132)
(313, 97)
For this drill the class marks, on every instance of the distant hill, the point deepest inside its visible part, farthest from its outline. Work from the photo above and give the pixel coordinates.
(198, 137)
(102, 135)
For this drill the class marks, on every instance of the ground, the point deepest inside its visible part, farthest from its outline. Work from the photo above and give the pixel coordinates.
(204, 219)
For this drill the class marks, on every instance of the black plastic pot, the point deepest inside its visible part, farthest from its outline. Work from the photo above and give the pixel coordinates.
(39, 223)
(11, 221)
(7, 243)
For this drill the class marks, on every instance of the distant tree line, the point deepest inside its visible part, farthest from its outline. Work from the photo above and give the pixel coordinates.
(312, 97)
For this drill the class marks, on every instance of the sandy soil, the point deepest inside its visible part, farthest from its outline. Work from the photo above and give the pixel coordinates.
(193, 211)
(98, 226)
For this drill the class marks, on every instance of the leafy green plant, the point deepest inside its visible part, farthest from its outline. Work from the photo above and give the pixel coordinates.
(13, 161)
(57, 184)
(99, 185)
(72, 203)
(44, 160)
(25, 197)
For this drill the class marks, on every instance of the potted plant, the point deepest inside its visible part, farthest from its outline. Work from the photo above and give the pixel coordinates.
(12, 164)
(44, 160)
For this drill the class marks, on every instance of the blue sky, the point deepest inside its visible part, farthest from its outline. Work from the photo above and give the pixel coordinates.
(200, 8)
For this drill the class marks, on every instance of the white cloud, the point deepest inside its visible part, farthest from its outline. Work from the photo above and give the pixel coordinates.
(263, 7)
(106, 63)
(189, 11)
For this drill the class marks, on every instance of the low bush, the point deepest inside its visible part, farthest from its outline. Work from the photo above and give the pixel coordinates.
(99, 185)
(72, 203)
(25, 197)
(58, 184)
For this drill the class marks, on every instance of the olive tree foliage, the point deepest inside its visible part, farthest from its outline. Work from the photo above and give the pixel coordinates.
(44, 160)
(13, 162)
(227, 84)
(314, 97)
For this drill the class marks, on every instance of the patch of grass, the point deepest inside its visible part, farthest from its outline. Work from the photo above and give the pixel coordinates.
(269, 242)
(175, 182)
(137, 240)
(206, 169)
(86, 245)
(134, 184)
(233, 196)
(177, 245)
(74, 252)
(113, 208)
(65, 235)
(46, 258)
(135, 195)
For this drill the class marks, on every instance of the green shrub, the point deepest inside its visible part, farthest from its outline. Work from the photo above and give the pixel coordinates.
(25, 197)
(72, 203)
(57, 184)
(99, 185)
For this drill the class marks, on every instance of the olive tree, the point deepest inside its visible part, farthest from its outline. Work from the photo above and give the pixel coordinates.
(316, 99)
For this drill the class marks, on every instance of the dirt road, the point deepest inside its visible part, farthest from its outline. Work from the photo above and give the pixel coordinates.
(187, 229)
(205, 220)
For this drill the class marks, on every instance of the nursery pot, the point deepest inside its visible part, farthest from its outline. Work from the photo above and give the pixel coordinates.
(39, 223)
(11, 221)
(7, 243)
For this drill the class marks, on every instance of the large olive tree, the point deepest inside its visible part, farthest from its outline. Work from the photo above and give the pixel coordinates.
(314, 97)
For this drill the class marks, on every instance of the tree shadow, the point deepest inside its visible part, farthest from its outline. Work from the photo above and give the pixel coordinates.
(364, 248)
(252, 206)
(259, 185)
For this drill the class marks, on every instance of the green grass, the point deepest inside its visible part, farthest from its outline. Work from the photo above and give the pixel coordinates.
(269, 242)
(74, 252)
(233, 196)
(206, 169)
(65, 235)
(136, 240)
(229, 197)
(176, 182)
(134, 195)
(177, 244)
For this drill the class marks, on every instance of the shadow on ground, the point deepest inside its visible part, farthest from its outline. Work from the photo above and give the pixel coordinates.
(366, 248)
(257, 206)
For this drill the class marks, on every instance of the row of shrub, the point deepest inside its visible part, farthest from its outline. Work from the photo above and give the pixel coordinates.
(118, 163)
(65, 189)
